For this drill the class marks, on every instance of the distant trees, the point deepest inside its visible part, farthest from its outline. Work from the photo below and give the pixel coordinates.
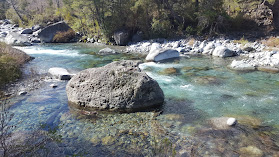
(155, 18)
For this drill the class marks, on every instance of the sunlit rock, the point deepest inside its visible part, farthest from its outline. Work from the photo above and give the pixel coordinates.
(60, 73)
(222, 51)
(116, 86)
(250, 151)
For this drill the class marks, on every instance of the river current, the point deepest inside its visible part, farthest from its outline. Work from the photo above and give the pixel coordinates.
(196, 88)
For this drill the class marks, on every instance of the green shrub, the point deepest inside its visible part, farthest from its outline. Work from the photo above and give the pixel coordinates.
(63, 37)
(10, 61)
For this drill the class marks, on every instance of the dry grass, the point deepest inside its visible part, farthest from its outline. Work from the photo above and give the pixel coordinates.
(241, 41)
(191, 42)
(271, 42)
(64, 37)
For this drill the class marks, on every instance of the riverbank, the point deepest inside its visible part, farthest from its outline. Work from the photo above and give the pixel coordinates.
(260, 54)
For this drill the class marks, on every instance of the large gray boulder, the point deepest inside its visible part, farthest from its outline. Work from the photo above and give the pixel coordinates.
(159, 54)
(241, 66)
(46, 35)
(107, 51)
(121, 37)
(118, 86)
(222, 51)
(16, 39)
(26, 31)
(60, 73)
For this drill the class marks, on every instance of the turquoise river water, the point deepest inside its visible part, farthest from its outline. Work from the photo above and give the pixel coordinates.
(196, 88)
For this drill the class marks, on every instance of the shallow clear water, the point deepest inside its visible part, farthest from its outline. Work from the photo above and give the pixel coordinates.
(200, 88)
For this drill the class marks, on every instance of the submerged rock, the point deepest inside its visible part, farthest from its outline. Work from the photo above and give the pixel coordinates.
(117, 86)
(250, 151)
(268, 69)
(207, 80)
(169, 71)
(222, 123)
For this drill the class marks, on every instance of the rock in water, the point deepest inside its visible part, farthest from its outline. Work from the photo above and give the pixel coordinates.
(22, 93)
(241, 66)
(60, 73)
(46, 35)
(16, 39)
(118, 86)
(107, 51)
(53, 85)
(222, 51)
(161, 54)
(222, 123)
(231, 121)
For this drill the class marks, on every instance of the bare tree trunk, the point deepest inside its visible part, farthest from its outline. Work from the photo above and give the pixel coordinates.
(12, 3)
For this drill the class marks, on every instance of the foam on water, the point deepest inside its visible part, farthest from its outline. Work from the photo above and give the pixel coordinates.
(37, 50)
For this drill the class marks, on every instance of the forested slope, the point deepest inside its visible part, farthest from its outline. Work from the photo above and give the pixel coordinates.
(153, 18)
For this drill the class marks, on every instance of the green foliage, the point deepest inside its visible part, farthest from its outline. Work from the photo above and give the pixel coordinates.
(99, 19)
(9, 67)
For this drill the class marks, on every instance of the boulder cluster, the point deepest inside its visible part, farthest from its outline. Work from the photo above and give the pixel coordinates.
(12, 34)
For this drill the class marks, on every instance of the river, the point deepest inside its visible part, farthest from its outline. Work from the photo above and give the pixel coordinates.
(196, 88)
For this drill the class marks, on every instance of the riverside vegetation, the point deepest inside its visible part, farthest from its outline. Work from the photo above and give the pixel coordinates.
(147, 18)
(10, 61)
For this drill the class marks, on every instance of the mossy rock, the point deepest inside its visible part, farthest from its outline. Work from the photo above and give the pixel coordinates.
(250, 151)
(174, 117)
(195, 69)
(95, 140)
(108, 140)
(170, 71)
(268, 69)
(207, 80)
(249, 121)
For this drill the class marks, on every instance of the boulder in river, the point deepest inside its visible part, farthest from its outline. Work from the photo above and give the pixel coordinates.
(241, 66)
(60, 73)
(118, 86)
(222, 51)
(107, 51)
(16, 39)
(47, 34)
(160, 54)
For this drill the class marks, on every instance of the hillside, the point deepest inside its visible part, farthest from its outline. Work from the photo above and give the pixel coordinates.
(148, 18)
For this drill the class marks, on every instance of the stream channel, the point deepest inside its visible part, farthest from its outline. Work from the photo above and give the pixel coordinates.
(196, 88)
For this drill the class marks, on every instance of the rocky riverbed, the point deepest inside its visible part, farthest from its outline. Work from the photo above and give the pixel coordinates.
(252, 55)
